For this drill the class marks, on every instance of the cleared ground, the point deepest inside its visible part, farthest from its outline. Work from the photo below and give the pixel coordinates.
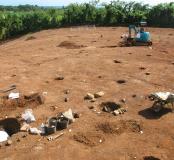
(86, 62)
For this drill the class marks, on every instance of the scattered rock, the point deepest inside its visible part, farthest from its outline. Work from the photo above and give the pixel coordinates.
(148, 55)
(89, 96)
(116, 61)
(173, 63)
(8, 143)
(14, 75)
(121, 81)
(134, 95)
(67, 91)
(66, 99)
(147, 73)
(101, 76)
(60, 78)
(129, 53)
(76, 115)
(25, 127)
(93, 100)
(91, 107)
(99, 94)
(142, 68)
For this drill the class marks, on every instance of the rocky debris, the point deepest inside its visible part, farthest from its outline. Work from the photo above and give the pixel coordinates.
(172, 63)
(9, 143)
(60, 78)
(31, 100)
(113, 108)
(25, 127)
(89, 96)
(119, 111)
(121, 81)
(99, 94)
(109, 106)
(117, 61)
(100, 77)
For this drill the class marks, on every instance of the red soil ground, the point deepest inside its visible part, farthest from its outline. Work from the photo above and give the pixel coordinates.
(85, 57)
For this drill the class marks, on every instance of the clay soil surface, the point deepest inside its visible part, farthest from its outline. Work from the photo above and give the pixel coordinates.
(85, 58)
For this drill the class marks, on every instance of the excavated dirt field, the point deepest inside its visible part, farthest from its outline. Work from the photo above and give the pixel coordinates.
(90, 60)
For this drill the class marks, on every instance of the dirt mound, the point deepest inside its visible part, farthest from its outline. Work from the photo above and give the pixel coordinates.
(119, 127)
(70, 45)
(89, 138)
(32, 100)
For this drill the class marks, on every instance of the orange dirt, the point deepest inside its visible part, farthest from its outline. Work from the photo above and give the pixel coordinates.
(89, 67)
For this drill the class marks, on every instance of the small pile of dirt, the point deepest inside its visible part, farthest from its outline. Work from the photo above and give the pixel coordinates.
(89, 138)
(70, 45)
(32, 101)
(119, 127)
(10, 125)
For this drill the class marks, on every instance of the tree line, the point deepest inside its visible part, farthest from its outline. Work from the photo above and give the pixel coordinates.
(27, 18)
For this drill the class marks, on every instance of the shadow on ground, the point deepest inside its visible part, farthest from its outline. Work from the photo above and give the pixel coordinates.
(148, 113)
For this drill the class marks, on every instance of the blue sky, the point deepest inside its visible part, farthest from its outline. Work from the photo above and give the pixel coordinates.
(66, 2)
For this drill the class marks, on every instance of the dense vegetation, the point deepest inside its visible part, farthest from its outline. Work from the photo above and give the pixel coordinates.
(23, 19)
